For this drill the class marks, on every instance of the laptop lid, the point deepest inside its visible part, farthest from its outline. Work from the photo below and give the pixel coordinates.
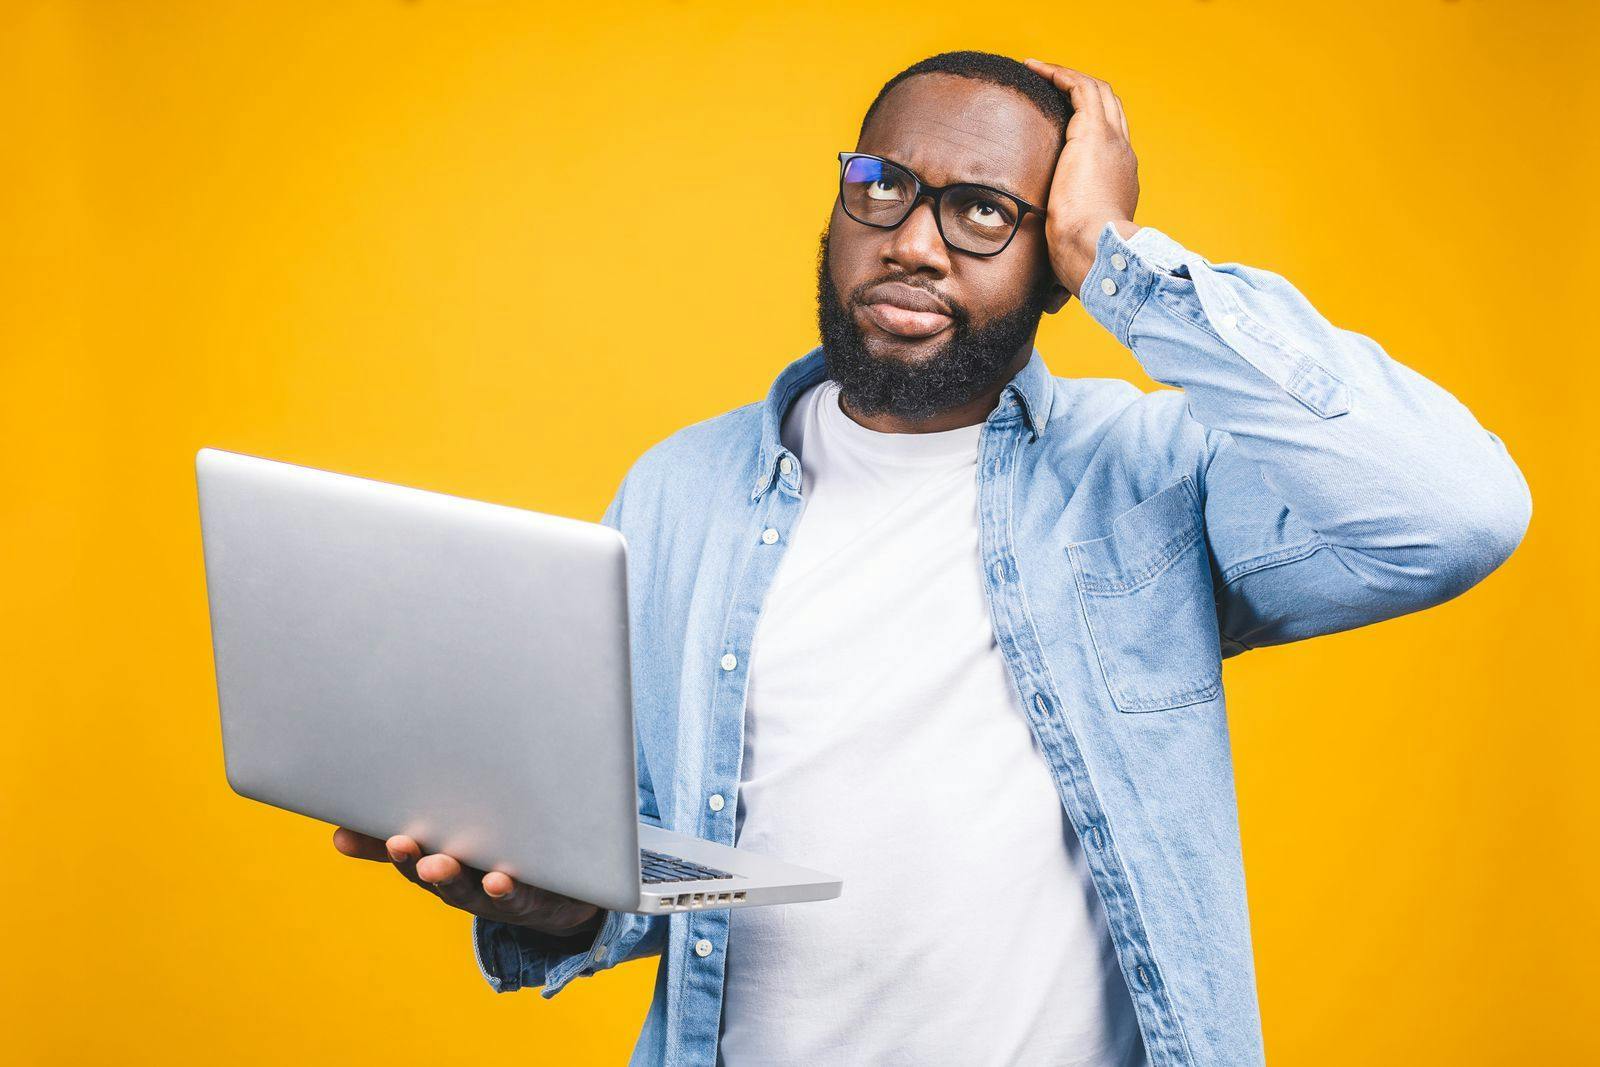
(402, 661)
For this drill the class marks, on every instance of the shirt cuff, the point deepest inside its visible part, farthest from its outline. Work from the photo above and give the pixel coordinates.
(1159, 250)
(513, 957)
(1125, 272)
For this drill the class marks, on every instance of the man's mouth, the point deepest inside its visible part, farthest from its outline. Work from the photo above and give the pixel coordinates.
(903, 322)
(905, 311)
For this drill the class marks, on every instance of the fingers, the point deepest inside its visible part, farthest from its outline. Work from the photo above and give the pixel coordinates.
(435, 872)
(404, 853)
(358, 845)
(451, 878)
(438, 868)
(1090, 96)
(520, 900)
(491, 894)
(464, 887)
(1114, 112)
(496, 895)
(509, 897)
(499, 885)
(1079, 87)
(453, 882)
(438, 873)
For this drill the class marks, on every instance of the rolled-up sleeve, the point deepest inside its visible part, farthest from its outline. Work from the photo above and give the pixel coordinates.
(1340, 486)
(514, 957)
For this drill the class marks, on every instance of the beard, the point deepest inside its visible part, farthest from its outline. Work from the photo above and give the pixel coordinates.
(959, 371)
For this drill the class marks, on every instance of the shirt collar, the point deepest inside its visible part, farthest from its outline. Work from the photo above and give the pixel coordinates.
(790, 383)
(1031, 389)
(1034, 387)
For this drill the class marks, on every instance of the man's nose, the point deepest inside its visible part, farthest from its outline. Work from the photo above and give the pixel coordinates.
(916, 245)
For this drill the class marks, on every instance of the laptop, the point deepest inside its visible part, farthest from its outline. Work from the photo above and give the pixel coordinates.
(401, 661)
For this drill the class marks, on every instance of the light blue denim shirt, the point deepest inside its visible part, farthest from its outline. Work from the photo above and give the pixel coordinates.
(1298, 481)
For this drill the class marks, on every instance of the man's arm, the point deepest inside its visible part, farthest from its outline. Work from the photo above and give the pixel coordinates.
(1340, 487)
(513, 957)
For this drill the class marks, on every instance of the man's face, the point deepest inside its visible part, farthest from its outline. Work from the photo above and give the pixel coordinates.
(944, 129)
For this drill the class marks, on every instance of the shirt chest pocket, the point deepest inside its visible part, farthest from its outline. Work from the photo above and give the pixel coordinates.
(1146, 593)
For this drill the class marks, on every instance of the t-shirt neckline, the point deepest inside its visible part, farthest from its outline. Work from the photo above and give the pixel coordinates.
(940, 446)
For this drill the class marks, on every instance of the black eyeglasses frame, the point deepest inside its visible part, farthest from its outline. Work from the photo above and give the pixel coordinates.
(936, 193)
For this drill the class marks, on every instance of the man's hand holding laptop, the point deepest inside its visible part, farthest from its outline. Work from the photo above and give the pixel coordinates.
(490, 894)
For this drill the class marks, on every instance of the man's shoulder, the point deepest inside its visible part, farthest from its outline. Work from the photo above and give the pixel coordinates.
(1100, 406)
(1107, 395)
(700, 450)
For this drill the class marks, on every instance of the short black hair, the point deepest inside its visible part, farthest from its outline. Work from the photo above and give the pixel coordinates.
(986, 67)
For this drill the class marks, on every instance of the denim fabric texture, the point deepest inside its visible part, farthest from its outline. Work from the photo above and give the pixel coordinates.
(1296, 481)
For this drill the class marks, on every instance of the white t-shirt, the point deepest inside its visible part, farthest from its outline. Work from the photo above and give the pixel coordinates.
(885, 742)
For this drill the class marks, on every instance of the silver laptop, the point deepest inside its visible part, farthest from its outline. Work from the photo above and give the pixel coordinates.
(400, 661)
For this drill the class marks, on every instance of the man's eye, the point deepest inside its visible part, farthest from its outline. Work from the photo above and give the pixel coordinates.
(988, 213)
(883, 189)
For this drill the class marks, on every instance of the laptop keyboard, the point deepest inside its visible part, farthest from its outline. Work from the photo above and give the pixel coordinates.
(659, 867)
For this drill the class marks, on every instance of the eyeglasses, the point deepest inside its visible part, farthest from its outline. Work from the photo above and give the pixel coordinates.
(971, 218)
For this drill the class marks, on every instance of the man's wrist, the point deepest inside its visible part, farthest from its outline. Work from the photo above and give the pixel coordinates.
(1080, 245)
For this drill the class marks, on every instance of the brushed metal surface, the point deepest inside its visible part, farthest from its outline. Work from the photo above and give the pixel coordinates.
(396, 660)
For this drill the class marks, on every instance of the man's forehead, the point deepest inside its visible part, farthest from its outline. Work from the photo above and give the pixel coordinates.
(949, 129)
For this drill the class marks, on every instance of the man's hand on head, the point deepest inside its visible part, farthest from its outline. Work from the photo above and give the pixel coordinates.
(1096, 179)
(489, 894)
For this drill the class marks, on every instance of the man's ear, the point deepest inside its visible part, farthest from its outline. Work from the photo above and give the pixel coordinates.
(1059, 295)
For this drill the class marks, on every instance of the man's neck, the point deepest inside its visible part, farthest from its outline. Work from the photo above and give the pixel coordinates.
(968, 414)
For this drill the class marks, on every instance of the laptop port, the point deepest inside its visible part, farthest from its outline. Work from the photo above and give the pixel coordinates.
(683, 900)
(723, 898)
(739, 895)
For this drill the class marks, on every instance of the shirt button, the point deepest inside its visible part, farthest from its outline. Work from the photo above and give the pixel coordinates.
(769, 536)
(1230, 320)
(1038, 702)
(1119, 261)
(1108, 287)
(729, 661)
(600, 954)
(716, 802)
(702, 948)
(785, 465)
(999, 570)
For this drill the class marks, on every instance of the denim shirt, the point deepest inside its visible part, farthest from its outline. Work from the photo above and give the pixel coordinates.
(1297, 481)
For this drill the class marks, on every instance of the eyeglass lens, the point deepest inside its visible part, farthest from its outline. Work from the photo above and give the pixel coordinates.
(974, 219)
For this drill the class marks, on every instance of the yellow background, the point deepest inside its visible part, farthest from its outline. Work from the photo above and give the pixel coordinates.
(475, 247)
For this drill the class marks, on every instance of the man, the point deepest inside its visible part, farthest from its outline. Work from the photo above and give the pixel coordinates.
(951, 627)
